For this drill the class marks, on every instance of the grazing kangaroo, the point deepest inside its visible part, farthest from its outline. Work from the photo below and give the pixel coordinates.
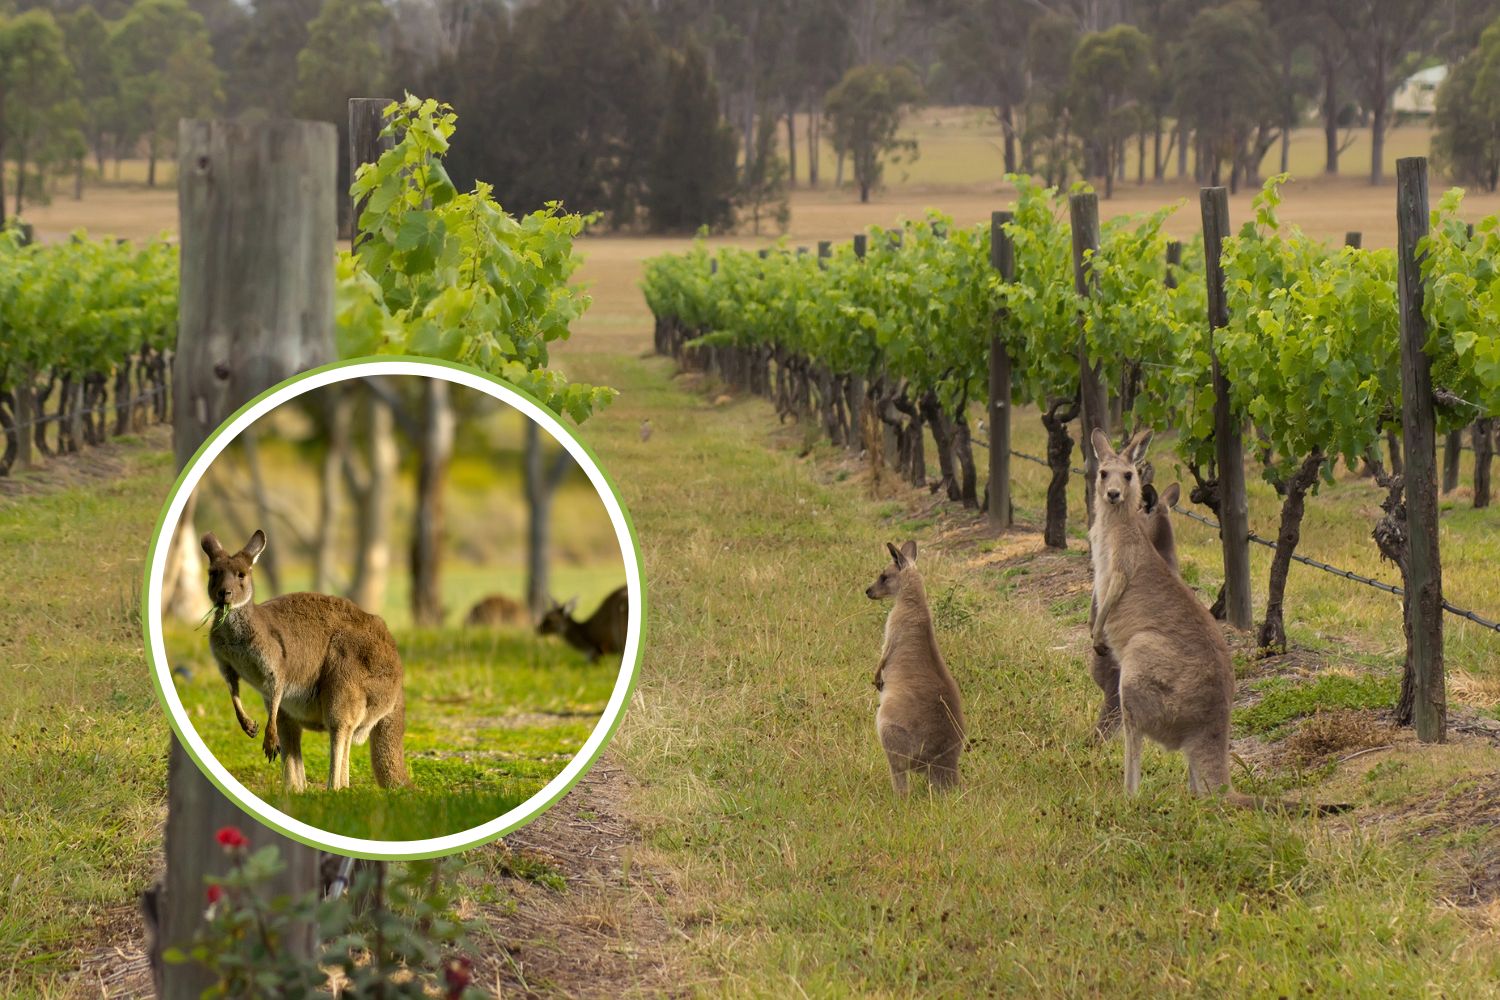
(319, 662)
(1176, 679)
(602, 634)
(497, 610)
(1105, 669)
(920, 721)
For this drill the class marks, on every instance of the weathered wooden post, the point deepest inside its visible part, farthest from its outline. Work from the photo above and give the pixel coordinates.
(1083, 214)
(258, 219)
(1424, 577)
(366, 144)
(1354, 238)
(1003, 259)
(1229, 454)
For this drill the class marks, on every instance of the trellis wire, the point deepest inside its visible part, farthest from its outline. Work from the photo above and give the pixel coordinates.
(1346, 574)
(52, 418)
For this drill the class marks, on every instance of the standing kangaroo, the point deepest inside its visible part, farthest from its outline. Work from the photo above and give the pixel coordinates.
(319, 662)
(1105, 668)
(920, 721)
(497, 610)
(602, 634)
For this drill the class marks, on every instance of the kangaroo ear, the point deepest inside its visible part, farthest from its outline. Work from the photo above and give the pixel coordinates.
(1138, 446)
(572, 603)
(909, 553)
(1102, 447)
(211, 546)
(895, 552)
(255, 546)
(1171, 494)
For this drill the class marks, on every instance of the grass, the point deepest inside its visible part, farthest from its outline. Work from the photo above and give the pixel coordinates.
(82, 793)
(765, 797)
(492, 716)
(1283, 700)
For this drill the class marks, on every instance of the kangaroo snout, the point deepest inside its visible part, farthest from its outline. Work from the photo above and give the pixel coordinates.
(870, 592)
(1112, 495)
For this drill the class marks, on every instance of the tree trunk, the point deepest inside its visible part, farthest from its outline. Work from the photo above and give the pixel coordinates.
(1008, 127)
(1182, 151)
(1330, 113)
(372, 562)
(1273, 629)
(20, 177)
(963, 453)
(942, 436)
(864, 192)
(1059, 460)
(813, 130)
(436, 448)
(1140, 157)
(1377, 142)
(1393, 443)
(1452, 450)
(151, 165)
(339, 412)
(791, 148)
(542, 481)
(1484, 451)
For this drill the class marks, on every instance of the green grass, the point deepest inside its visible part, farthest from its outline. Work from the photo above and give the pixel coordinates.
(1283, 700)
(765, 798)
(492, 716)
(82, 790)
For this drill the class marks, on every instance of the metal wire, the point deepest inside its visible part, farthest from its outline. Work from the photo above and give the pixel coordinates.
(52, 418)
(1346, 574)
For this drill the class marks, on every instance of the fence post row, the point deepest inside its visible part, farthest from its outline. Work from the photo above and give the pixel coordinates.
(255, 306)
(1083, 211)
(1003, 259)
(1424, 582)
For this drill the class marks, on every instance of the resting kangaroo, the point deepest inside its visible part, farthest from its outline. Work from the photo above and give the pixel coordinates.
(496, 610)
(1157, 513)
(603, 633)
(920, 722)
(1176, 680)
(319, 662)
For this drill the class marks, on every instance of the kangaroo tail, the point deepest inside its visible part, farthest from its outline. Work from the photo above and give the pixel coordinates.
(387, 747)
(1263, 804)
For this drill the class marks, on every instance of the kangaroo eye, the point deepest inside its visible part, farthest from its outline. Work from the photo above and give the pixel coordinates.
(242, 576)
(1128, 476)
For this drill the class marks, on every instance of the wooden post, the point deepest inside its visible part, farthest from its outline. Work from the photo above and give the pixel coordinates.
(861, 245)
(1083, 213)
(1424, 579)
(366, 121)
(825, 249)
(1234, 510)
(1174, 261)
(1354, 238)
(258, 215)
(1003, 259)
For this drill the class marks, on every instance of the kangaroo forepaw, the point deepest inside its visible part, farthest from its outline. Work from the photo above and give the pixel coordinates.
(250, 727)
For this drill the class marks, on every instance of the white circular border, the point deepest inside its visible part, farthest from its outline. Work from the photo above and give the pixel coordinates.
(395, 849)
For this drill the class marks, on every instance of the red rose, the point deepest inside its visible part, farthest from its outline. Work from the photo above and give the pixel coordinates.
(230, 836)
(457, 976)
(215, 893)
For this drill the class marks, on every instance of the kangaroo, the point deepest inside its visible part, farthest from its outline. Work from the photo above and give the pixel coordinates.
(319, 662)
(920, 721)
(1176, 679)
(602, 634)
(497, 610)
(1105, 669)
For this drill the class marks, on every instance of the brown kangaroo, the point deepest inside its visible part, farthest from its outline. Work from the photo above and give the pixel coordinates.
(1176, 678)
(1105, 669)
(920, 721)
(319, 662)
(497, 610)
(602, 634)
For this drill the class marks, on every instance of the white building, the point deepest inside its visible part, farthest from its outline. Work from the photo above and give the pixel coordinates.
(1418, 92)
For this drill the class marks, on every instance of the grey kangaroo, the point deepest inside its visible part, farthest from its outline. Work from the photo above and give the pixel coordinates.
(1176, 678)
(497, 610)
(319, 662)
(1105, 668)
(603, 633)
(920, 721)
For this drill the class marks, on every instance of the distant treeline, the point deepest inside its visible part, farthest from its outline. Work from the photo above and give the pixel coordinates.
(675, 114)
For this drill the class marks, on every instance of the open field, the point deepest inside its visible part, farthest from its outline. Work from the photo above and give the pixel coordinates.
(491, 717)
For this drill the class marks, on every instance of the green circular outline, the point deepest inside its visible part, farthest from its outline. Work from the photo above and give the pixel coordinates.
(533, 808)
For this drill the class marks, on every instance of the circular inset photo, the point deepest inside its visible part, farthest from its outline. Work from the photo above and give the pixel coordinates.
(394, 608)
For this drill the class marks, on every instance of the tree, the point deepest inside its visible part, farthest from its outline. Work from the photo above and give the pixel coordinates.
(265, 74)
(86, 39)
(1110, 81)
(166, 72)
(984, 55)
(543, 477)
(345, 57)
(693, 172)
(1466, 140)
(1380, 36)
(1224, 74)
(865, 110)
(1050, 43)
(763, 189)
(36, 81)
